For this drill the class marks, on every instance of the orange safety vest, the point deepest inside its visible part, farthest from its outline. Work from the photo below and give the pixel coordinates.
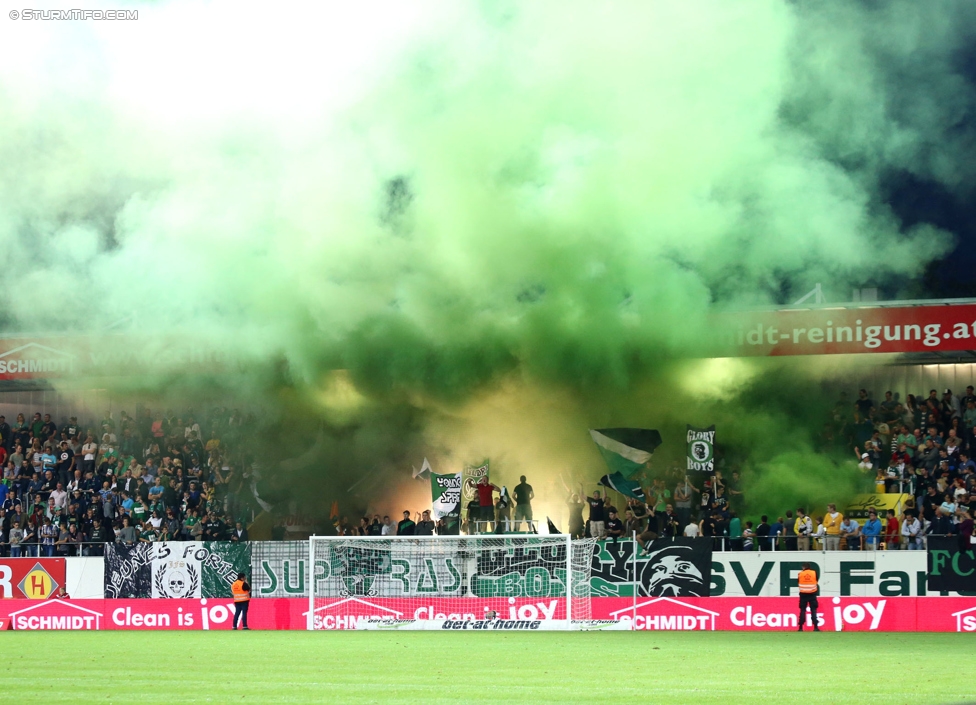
(242, 595)
(808, 581)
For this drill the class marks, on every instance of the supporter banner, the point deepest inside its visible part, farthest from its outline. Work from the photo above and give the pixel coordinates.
(470, 477)
(701, 449)
(949, 566)
(174, 569)
(128, 570)
(898, 614)
(774, 573)
(280, 569)
(897, 329)
(445, 493)
(676, 567)
(31, 578)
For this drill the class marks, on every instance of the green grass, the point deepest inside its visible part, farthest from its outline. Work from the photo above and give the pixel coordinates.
(415, 667)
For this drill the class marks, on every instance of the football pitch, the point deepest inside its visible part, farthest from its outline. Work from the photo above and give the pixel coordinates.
(432, 667)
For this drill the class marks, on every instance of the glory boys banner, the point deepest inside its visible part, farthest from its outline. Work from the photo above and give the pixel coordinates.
(445, 493)
(701, 449)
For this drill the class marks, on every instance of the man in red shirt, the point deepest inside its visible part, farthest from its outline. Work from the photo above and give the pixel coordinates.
(892, 530)
(486, 502)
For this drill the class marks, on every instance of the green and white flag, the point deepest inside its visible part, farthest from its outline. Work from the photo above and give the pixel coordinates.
(701, 449)
(626, 450)
(445, 493)
(469, 480)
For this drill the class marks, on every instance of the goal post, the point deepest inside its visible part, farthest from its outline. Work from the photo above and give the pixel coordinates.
(449, 582)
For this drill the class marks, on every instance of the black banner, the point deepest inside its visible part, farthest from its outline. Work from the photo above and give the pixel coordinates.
(128, 570)
(680, 567)
(951, 567)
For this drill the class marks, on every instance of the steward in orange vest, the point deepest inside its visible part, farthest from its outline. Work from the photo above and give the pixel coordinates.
(808, 596)
(242, 599)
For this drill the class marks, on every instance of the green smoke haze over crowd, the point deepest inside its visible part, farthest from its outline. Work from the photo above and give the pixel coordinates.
(503, 222)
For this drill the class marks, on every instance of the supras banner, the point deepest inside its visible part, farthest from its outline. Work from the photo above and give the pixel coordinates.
(897, 614)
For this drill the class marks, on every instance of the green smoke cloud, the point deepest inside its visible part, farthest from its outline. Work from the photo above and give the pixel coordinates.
(458, 202)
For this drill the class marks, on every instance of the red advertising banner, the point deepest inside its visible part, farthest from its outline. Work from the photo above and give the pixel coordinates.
(30, 578)
(892, 614)
(828, 331)
(106, 356)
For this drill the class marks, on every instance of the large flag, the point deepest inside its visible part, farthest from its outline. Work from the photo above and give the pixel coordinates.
(470, 477)
(445, 493)
(701, 449)
(626, 450)
(424, 472)
(621, 484)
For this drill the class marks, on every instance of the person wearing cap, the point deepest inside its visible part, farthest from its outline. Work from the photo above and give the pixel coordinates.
(864, 462)
(807, 581)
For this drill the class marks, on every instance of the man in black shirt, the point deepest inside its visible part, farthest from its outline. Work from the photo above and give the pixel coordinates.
(615, 527)
(66, 463)
(406, 526)
(523, 508)
(596, 523)
(762, 534)
(213, 528)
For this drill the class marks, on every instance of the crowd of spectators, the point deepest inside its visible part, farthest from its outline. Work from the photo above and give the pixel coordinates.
(67, 490)
(919, 450)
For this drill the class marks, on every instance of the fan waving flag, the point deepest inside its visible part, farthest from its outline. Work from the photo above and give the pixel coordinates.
(626, 450)
(621, 484)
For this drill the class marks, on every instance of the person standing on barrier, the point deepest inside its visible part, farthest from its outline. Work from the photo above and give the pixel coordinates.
(242, 600)
(808, 597)
(524, 495)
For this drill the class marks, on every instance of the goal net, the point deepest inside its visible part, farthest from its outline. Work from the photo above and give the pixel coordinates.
(449, 582)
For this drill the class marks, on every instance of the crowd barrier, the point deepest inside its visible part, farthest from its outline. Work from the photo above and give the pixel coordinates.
(279, 569)
(898, 614)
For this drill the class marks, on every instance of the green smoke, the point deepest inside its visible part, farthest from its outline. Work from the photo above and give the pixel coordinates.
(464, 202)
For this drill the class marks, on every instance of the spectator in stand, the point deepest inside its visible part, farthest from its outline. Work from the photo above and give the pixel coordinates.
(911, 531)
(239, 534)
(748, 537)
(789, 531)
(614, 527)
(597, 525)
(820, 535)
(524, 495)
(14, 538)
(892, 530)
(48, 534)
(762, 534)
(776, 532)
(871, 531)
(576, 524)
(389, 528)
(850, 531)
(424, 527)
(804, 530)
(406, 525)
(831, 524)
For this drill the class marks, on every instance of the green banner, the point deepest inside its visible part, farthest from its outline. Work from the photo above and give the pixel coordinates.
(445, 491)
(701, 449)
(220, 568)
(469, 480)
